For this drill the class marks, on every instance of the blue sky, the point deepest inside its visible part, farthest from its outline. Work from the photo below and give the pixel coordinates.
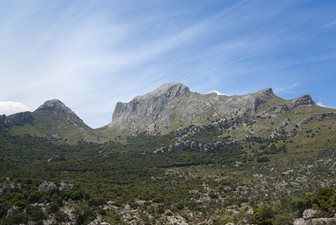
(91, 54)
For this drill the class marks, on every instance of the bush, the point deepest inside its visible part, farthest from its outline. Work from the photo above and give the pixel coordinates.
(262, 159)
(263, 215)
(35, 213)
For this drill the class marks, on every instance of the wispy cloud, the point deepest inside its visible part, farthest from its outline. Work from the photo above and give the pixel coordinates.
(286, 88)
(92, 54)
(325, 106)
(332, 23)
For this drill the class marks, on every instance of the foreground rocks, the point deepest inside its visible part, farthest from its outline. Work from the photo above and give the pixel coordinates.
(98, 221)
(311, 217)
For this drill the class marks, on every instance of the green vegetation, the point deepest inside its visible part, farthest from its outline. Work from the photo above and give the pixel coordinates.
(259, 181)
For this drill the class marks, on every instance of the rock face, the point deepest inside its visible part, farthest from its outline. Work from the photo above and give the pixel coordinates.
(303, 100)
(173, 105)
(3, 122)
(19, 119)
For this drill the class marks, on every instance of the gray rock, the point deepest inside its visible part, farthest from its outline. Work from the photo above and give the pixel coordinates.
(98, 221)
(20, 119)
(56, 158)
(13, 211)
(310, 213)
(6, 186)
(299, 221)
(323, 221)
(65, 186)
(47, 186)
(315, 221)
(4, 122)
(303, 100)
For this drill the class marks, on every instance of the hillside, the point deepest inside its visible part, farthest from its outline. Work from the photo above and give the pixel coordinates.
(174, 109)
(53, 119)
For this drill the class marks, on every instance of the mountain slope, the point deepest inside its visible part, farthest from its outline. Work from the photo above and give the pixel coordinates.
(173, 107)
(52, 119)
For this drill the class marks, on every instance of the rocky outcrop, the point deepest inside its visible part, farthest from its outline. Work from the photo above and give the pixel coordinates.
(3, 122)
(312, 217)
(173, 106)
(192, 145)
(46, 186)
(56, 158)
(13, 211)
(98, 221)
(189, 145)
(310, 213)
(318, 117)
(20, 119)
(17, 119)
(274, 111)
(6, 186)
(302, 101)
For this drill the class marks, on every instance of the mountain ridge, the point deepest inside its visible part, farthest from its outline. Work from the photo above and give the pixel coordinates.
(173, 105)
(169, 108)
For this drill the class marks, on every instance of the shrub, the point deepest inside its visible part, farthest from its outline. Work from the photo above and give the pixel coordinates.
(262, 159)
(263, 215)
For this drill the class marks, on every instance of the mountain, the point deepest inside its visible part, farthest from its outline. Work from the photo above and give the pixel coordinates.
(52, 119)
(179, 157)
(173, 107)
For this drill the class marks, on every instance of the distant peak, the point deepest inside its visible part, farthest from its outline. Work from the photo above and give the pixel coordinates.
(267, 92)
(54, 105)
(303, 100)
(173, 89)
(172, 85)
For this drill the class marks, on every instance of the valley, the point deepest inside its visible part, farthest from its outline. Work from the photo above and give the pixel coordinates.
(172, 157)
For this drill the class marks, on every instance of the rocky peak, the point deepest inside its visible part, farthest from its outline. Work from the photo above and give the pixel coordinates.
(303, 100)
(173, 89)
(151, 104)
(54, 105)
(59, 110)
(268, 92)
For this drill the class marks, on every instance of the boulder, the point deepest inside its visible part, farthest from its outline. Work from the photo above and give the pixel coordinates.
(300, 221)
(309, 214)
(47, 186)
(98, 221)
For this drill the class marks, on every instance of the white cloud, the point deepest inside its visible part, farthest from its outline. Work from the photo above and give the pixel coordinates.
(286, 88)
(8, 107)
(216, 92)
(323, 105)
